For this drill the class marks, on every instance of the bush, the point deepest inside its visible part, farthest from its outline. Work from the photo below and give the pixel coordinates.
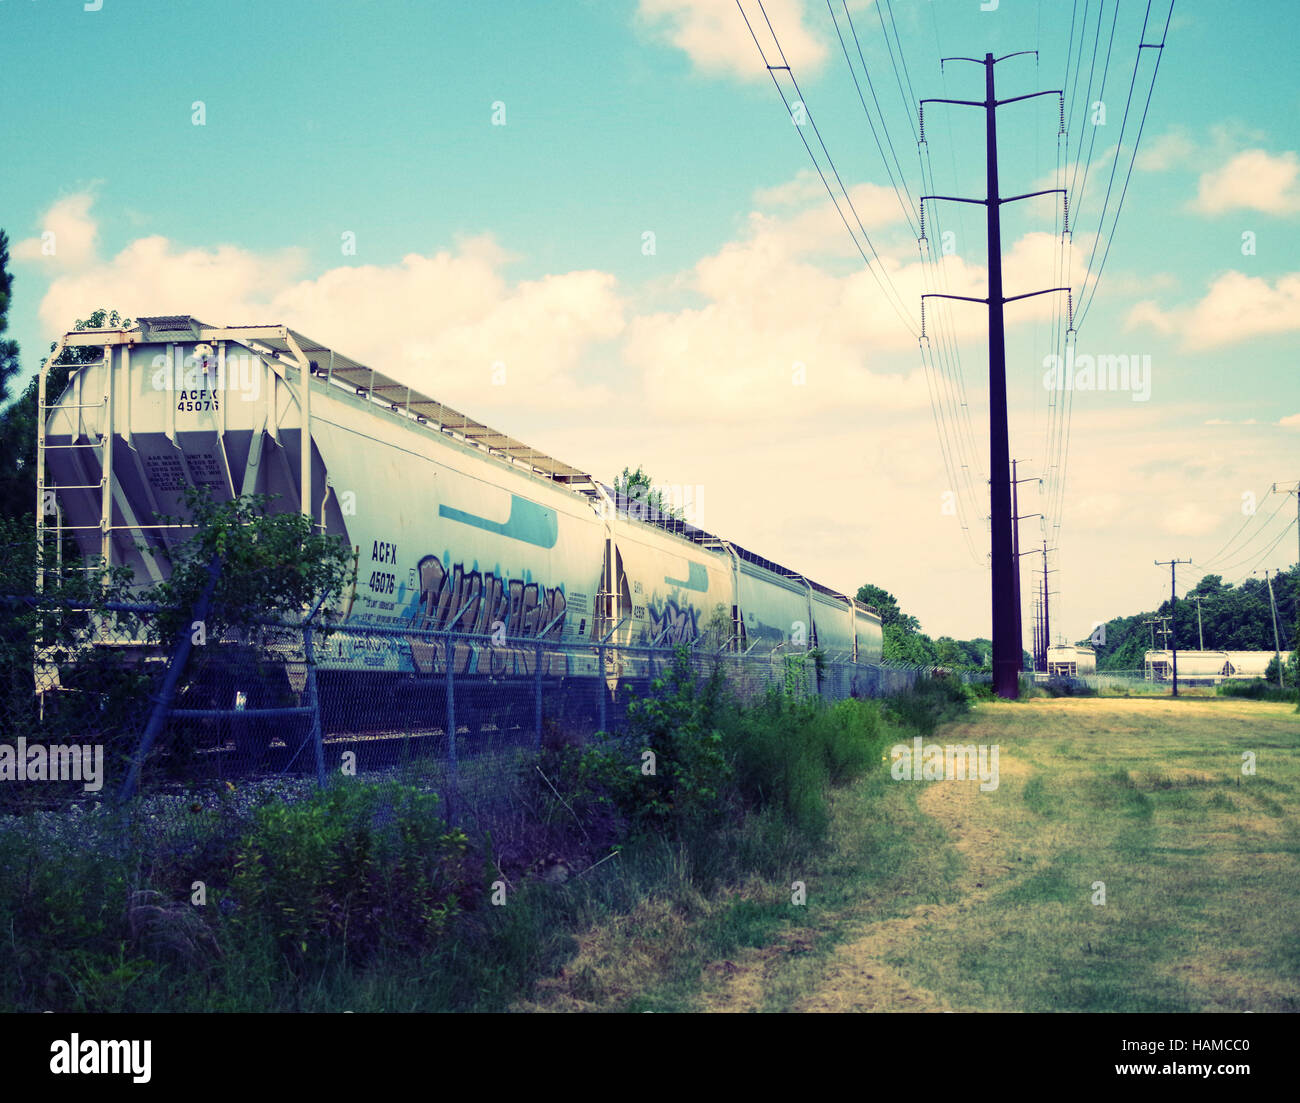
(929, 703)
(575, 802)
(682, 785)
(715, 763)
(1068, 687)
(63, 913)
(1257, 689)
(787, 754)
(357, 867)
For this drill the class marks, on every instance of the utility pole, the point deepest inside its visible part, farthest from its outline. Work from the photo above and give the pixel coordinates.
(1046, 637)
(1164, 631)
(1015, 556)
(1173, 611)
(1043, 631)
(1200, 635)
(1038, 626)
(1277, 644)
(1015, 559)
(1296, 492)
(1006, 638)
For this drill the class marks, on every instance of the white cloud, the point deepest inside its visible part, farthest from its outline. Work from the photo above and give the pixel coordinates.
(151, 276)
(1292, 421)
(791, 324)
(440, 322)
(67, 237)
(1172, 150)
(1253, 180)
(1236, 307)
(804, 188)
(713, 34)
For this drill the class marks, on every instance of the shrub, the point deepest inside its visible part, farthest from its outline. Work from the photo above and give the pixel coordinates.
(575, 801)
(929, 703)
(685, 787)
(358, 866)
(63, 913)
(1257, 689)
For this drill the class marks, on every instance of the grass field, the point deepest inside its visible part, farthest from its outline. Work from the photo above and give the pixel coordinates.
(937, 896)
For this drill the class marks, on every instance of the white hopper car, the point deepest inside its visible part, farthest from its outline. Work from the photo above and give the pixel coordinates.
(456, 527)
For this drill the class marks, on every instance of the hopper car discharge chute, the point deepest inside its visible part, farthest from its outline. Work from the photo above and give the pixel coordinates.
(456, 527)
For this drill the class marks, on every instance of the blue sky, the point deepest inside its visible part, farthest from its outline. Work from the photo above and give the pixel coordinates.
(524, 244)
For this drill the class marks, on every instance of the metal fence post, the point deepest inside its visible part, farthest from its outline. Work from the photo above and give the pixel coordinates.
(313, 702)
(600, 683)
(163, 702)
(537, 701)
(449, 653)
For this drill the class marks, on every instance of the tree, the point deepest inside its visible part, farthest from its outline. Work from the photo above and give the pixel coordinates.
(634, 492)
(887, 605)
(8, 349)
(902, 646)
(272, 565)
(1210, 584)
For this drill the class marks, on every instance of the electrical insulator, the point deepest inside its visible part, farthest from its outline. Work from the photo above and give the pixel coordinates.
(1065, 198)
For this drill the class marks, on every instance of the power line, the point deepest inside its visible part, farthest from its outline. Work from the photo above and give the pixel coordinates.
(1101, 93)
(1239, 554)
(943, 379)
(1249, 517)
(909, 214)
(949, 357)
(886, 284)
(1266, 552)
(909, 105)
(1159, 47)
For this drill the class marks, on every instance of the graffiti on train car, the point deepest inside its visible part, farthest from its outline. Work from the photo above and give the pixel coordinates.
(673, 625)
(483, 604)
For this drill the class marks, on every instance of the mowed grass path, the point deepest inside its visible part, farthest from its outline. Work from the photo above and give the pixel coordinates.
(937, 896)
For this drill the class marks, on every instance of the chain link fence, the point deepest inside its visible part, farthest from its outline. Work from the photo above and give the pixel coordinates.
(1121, 682)
(103, 711)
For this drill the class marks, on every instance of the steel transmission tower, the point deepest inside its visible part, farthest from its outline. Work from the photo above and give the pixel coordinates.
(1006, 613)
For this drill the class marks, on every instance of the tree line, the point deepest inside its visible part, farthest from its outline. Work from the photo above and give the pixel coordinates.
(1231, 618)
(904, 642)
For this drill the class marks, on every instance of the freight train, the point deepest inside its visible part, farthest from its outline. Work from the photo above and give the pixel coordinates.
(456, 527)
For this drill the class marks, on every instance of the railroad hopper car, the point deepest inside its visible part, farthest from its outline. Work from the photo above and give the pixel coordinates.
(456, 528)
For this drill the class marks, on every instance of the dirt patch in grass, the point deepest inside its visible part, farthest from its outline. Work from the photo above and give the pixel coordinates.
(859, 976)
(737, 983)
(614, 960)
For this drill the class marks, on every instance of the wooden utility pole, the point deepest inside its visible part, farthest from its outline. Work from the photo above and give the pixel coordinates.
(1173, 612)
(1047, 607)
(1038, 627)
(1277, 643)
(1296, 492)
(1164, 630)
(1016, 553)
